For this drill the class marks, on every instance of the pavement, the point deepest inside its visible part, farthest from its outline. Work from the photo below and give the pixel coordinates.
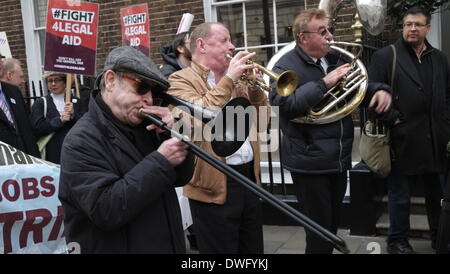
(291, 240)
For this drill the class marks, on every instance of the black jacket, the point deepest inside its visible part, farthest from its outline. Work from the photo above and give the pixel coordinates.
(115, 200)
(22, 137)
(52, 123)
(171, 65)
(306, 148)
(423, 107)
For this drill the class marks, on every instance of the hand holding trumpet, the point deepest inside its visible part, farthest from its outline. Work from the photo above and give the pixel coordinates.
(239, 64)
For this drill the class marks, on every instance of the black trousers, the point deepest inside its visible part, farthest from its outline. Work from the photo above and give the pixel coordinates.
(320, 198)
(234, 227)
(399, 203)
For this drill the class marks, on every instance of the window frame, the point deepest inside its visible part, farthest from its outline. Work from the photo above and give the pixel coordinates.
(210, 10)
(32, 43)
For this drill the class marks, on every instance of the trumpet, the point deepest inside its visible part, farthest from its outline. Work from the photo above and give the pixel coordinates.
(285, 83)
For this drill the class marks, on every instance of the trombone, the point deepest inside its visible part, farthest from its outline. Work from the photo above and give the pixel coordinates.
(285, 83)
(335, 240)
(225, 128)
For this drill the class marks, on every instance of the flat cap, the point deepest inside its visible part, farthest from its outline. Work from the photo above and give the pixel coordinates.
(128, 59)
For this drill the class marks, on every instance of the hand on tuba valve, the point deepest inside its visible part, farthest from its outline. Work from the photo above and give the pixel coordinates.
(286, 83)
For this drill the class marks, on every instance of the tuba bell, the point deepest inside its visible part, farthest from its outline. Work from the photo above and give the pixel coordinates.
(344, 97)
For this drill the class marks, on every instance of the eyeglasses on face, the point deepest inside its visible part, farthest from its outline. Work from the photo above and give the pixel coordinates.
(322, 32)
(410, 25)
(142, 87)
(54, 80)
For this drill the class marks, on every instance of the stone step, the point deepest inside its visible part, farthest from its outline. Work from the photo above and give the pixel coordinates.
(417, 205)
(418, 223)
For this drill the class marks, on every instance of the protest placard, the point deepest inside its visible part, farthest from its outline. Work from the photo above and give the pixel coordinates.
(4, 46)
(135, 27)
(71, 37)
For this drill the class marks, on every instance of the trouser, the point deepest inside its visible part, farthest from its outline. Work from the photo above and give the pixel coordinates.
(399, 203)
(234, 227)
(443, 237)
(320, 197)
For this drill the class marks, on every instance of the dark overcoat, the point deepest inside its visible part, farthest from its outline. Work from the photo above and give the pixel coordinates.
(52, 123)
(422, 104)
(22, 136)
(313, 148)
(116, 200)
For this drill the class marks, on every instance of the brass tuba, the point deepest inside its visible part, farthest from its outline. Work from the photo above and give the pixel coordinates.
(344, 97)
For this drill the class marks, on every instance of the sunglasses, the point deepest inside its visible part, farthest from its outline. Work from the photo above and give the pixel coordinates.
(142, 88)
(322, 32)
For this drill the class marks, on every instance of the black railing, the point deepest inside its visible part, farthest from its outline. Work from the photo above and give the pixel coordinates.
(37, 91)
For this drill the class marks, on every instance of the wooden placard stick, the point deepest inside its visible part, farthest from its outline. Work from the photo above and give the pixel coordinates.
(68, 87)
(77, 87)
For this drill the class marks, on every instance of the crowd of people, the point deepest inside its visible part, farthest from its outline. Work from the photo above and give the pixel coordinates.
(118, 171)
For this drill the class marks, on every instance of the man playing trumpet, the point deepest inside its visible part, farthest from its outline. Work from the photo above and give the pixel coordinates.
(227, 218)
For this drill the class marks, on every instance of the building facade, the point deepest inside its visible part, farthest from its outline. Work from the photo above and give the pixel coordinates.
(263, 26)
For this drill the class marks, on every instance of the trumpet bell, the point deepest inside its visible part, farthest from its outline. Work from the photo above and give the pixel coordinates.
(286, 83)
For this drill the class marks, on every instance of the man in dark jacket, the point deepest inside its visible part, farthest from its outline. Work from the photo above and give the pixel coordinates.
(176, 55)
(318, 156)
(117, 175)
(15, 128)
(419, 123)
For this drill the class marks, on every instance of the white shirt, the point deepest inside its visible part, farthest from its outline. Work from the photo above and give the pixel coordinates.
(323, 63)
(245, 153)
(58, 99)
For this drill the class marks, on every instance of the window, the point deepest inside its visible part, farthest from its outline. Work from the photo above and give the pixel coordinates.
(40, 20)
(263, 26)
(33, 17)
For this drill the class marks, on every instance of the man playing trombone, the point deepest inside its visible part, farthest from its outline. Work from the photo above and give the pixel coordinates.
(227, 217)
(117, 174)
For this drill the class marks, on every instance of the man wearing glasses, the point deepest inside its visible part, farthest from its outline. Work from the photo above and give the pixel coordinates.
(419, 123)
(318, 156)
(117, 173)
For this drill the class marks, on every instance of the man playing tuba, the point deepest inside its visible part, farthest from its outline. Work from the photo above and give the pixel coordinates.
(318, 155)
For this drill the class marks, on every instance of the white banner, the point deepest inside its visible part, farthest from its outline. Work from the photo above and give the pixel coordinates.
(31, 215)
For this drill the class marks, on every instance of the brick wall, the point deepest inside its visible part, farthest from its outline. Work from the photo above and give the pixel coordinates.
(11, 23)
(165, 16)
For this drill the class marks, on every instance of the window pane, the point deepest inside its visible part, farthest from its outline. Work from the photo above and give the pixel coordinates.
(263, 55)
(231, 17)
(259, 24)
(40, 13)
(41, 34)
(259, 16)
(286, 12)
